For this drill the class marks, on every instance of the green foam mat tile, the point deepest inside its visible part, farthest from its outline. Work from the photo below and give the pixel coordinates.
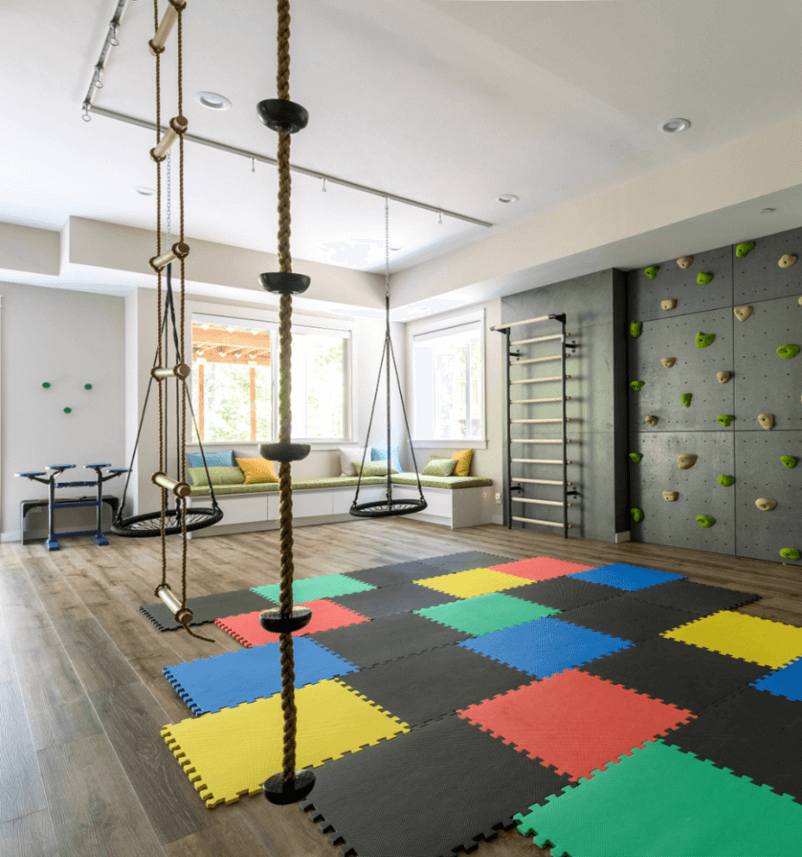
(325, 586)
(486, 613)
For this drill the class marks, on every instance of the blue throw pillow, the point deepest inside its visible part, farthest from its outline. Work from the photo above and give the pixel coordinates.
(213, 459)
(380, 454)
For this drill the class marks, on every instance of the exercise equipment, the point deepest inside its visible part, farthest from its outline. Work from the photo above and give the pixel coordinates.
(205, 608)
(50, 477)
(388, 508)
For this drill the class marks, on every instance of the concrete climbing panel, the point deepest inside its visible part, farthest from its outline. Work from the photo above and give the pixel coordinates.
(758, 277)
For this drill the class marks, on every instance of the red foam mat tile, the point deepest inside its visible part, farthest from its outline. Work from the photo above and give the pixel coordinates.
(541, 568)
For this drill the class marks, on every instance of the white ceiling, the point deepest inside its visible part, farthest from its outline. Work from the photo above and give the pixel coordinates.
(447, 102)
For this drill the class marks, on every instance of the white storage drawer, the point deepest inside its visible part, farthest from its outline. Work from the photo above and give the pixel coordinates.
(342, 499)
(242, 508)
(305, 504)
(438, 500)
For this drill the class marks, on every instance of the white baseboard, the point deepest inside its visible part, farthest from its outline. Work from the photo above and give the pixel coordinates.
(621, 537)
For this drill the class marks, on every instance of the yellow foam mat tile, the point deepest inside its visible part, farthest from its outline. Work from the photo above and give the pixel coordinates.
(742, 636)
(477, 581)
(229, 753)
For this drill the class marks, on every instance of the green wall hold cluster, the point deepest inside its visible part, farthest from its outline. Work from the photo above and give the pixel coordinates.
(651, 271)
(789, 553)
(725, 419)
(788, 461)
(743, 248)
(788, 351)
(637, 386)
(705, 520)
(704, 278)
(636, 457)
(686, 399)
(635, 328)
(726, 481)
(705, 339)
(637, 515)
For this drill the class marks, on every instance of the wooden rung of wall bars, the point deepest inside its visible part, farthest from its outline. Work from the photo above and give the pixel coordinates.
(536, 440)
(541, 502)
(538, 401)
(538, 461)
(180, 371)
(539, 338)
(542, 481)
(538, 359)
(540, 380)
(180, 489)
(168, 21)
(555, 420)
(519, 323)
(543, 523)
(178, 125)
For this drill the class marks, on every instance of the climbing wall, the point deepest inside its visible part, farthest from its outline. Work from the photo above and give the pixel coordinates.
(683, 408)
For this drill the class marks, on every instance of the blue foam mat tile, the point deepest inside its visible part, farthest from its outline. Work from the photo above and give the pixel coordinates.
(545, 646)
(225, 681)
(628, 577)
(786, 682)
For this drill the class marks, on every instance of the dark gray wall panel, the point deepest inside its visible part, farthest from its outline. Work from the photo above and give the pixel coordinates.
(760, 473)
(758, 277)
(694, 372)
(674, 523)
(763, 381)
(674, 282)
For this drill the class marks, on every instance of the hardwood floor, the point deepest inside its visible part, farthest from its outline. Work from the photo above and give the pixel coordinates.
(83, 770)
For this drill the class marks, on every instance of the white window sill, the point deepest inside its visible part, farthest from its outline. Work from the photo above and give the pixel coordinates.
(317, 445)
(460, 443)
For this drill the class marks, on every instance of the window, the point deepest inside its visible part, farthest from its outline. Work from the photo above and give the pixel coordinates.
(235, 380)
(448, 392)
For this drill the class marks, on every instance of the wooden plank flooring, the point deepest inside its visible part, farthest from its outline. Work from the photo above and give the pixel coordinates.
(83, 770)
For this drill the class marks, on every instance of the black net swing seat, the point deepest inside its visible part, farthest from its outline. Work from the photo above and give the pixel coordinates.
(149, 524)
(388, 508)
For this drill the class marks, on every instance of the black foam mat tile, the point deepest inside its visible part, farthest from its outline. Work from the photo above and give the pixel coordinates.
(754, 734)
(432, 684)
(387, 638)
(430, 792)
(392, 599)
(686, 676)
(467, 560)
(626, 617)
(696, 598)
(392, 575)
(207, 608)
(565, 592)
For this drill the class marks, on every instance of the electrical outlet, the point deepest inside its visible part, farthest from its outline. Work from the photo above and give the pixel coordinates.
(498, 498)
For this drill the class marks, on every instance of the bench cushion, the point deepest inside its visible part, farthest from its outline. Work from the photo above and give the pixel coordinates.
(440, 481)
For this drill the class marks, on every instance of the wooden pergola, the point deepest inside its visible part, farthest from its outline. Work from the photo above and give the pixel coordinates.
(234, 346)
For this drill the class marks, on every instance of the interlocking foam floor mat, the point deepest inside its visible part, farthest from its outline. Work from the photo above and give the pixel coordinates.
(785, 682)
(542, 567)
(206, 608)
(392, 599)
(431, 792)
(246, 628)
(573, 721)
(660, 801)
(742, 636)
(392, 575)
(314, 588)
(628, 577)
(229, 754)
(565, 593)
(223, 681)
(695, 598)
(475, 581)
(466, 560)
(485, 613)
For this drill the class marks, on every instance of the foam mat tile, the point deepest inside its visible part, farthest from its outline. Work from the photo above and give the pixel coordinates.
(629, 577)
(311, 589)
(392, 599)
(542, 567)
(696, 598)
(486, 613)
(565, 592)
(205, 608)
(675, 804)
(223, 681)
(545, 646)
(392, 575)
(576, 722)
(246, 628)
(785, 682)
(475, 581)
(432, 792)
(466, 560)
(228, 755)
(742, 636)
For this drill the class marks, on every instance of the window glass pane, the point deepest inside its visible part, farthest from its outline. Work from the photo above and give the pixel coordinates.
(318, 386)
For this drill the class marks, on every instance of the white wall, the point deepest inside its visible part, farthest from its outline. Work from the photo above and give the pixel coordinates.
(69, 339)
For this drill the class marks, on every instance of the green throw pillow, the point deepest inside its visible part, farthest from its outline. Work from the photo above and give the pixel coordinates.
(373, 468)
(219, 475)
(440, 466)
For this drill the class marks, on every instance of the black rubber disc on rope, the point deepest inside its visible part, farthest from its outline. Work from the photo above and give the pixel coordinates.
(149, 524)
(284, 452)
(276, 622)
(281, 793)
(281, 114)
(387, 508)
(284, 282)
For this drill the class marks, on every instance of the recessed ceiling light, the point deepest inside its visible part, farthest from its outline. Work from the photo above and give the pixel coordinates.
(145, 191)
(674, 126)
(212, 100)
(507, 197)
(767, 210)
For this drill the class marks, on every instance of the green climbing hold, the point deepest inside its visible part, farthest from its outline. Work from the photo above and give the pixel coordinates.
(636, 457)
(726, 481)
(651, 272)
(788, 461)
(637, 515)
(46, 384)
(635, 328)
(705, 520)
(704, 278)
(705, 339)
(637, 386)
(788, 351)
(686, 399)
(743, 248)
(67, 410)
(87, 386)
(789, 553)
(725, 419)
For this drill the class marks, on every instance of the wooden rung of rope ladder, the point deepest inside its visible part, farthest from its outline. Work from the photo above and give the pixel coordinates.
(538, 461)
(539, 380)
(538, 359)
(539, 338)
(539, 401)
(168, 21)
(540, 502)
(542, 523)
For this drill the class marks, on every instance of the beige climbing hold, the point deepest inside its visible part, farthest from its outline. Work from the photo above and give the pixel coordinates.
(668, 362)
(765, 504)
(742, 313)
(723, 377)
(685, 261)
(787, 260)
(766, 421)
(670, 495)
(686, 460)
(800, 300)
(650, 420)
(668, 304)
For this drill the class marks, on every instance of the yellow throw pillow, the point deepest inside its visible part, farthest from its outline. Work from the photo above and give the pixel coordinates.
(257, 470)
(463, 457)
